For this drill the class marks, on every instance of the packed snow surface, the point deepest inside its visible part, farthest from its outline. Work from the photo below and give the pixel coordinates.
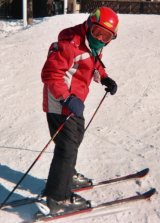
(124, 136)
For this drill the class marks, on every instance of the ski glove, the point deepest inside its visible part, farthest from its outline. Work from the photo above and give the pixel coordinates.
(75, 105)
(110, 84)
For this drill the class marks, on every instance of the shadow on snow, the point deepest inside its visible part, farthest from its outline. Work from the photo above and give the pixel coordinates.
(30, 184)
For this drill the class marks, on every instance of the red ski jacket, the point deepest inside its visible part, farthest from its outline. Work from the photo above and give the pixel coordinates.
(69, 69)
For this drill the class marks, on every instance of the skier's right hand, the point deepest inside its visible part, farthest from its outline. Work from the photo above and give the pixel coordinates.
(75, 105)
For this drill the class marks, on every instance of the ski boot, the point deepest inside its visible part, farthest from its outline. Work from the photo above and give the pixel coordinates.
(55, 208)
(80, 181)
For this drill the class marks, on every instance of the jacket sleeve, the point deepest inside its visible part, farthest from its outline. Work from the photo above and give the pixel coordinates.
(55, 67)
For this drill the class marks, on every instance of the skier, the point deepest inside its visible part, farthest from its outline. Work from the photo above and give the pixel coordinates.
(71, 64)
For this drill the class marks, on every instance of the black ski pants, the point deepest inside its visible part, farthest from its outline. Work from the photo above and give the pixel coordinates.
(62, 167)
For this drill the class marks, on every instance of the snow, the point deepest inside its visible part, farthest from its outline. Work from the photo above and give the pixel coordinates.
(123, 137)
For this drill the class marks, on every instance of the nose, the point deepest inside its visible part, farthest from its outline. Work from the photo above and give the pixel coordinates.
(99, 37)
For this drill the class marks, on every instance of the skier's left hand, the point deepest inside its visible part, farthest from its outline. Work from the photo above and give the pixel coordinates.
(110, 84)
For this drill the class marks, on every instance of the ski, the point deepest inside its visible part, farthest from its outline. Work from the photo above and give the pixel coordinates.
(29, 200)
(136, 175)
(89, 207)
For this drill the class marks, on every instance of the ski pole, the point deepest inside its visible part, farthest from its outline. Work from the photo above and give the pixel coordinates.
(96, 111)
(40, 154)
(99, 59)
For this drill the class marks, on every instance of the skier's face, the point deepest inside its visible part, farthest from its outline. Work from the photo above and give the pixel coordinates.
(102, 34)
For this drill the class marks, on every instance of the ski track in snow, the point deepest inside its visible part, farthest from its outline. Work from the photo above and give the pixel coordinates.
(123, 137)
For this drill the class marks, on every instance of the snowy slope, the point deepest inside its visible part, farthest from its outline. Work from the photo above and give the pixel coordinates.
(124, 136)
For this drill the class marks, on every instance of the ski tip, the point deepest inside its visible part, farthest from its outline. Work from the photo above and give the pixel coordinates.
(149, 193)
(143, 172)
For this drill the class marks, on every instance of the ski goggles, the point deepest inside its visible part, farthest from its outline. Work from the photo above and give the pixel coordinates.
(102, 34)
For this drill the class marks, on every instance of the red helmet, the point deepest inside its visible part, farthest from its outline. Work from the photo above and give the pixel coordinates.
(104, 17)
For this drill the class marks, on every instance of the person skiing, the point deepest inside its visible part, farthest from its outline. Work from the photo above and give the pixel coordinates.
(71, 64)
